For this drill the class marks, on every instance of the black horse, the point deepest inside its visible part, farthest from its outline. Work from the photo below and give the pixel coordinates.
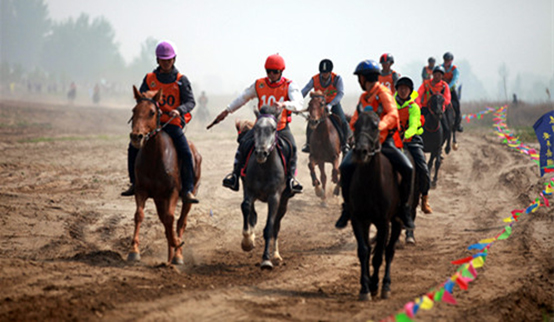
(265, 181)
(436, 132)
(374, 199)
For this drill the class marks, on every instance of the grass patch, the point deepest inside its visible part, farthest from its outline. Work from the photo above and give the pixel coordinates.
(25, 125)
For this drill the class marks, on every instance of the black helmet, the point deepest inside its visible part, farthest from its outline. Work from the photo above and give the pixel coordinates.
(404, 80)
(386, 58)
(439, 69)
(326, 66)
(431, 60)
(448, 56)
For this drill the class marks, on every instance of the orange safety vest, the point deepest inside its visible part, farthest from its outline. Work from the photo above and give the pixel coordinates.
(428, 72)
(430, 92)
(449, 74)
(171, 97)
(374, 99)
(269, 93)
(388, 81)
(330, 91)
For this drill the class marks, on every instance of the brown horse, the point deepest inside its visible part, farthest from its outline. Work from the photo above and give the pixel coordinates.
(325, 144)
(374, 199)
(157, 174)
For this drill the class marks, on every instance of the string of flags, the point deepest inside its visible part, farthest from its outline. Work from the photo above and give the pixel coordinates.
(467, 266)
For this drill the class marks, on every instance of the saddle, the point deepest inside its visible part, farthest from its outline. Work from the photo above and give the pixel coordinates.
(337, 123)
(284, 148)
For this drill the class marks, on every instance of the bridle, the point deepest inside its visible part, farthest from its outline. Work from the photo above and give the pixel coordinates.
(322, 119)
(271, 116)
(159, 113)
(436, 117)
(371, 139)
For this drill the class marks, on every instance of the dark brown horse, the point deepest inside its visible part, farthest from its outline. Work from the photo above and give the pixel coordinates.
(325, 144)
(374, 199)
(435, 134)
(157, 174)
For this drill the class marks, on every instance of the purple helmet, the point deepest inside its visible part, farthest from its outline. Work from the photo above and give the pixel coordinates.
(165, 50)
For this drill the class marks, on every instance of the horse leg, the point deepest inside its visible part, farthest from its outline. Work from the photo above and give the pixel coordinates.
(455, 142)
(382, 237)
(248, 235)
(166, 210)
(323, 177)
(361, 232)
(389, 255)
(432, 160)
(280, 214)
(335, 177)
(438, 162)
(315, 181)
(181, 225)
(273, 202)
(134, 253)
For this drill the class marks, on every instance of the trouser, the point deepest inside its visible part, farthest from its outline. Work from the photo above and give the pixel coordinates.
(397, 158)
(183, 151)
(457, 109)
(246, 143)
(345, 127)
(415, 147)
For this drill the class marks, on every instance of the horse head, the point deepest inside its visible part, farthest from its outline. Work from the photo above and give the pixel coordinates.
(366, 136)
(316, 109)
(265, 131)
(146, 116)
(436, 102)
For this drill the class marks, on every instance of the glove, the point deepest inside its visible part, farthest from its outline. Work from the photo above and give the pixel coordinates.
(409, 133)
(328, 108)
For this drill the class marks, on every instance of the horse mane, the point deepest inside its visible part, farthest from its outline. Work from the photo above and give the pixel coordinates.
(269, 109)
(316, 93)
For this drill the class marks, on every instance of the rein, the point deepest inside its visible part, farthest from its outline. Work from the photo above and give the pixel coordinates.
(271, 116)
(159, 112)
(438, 122)
(322, 118)
(375, 151)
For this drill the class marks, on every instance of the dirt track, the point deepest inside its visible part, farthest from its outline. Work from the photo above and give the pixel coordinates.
(65, 233)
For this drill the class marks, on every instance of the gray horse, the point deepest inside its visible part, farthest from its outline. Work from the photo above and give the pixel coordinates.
(264, 180)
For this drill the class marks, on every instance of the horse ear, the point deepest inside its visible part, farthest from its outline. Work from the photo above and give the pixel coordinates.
(257, 113)
(158, 96)
(136, 93)
(360, 108)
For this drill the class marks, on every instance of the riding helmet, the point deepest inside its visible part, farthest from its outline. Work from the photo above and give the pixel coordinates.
(386, 58)
(448, 56)
(165, 50)
(431, 60)
(367, 67)
(439, 69)
(326, 66)
(404, 80)
(275, 62)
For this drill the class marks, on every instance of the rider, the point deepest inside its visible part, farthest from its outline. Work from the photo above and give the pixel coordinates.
(427, 71)
(273, 90)
(409, 135)
(451, 76)
(380, 99)
(177, 102)
(388, 77)
(433, 86)
(332, 87)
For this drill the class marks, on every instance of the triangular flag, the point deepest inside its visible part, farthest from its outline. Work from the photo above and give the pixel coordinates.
(426, 303)
(461, 281)
(507, 232)
(409, 309)
(478, 262)
(448, 298)
(472, 270)
(438, 295)
(449, 286)
(402, 317)
(462, 260)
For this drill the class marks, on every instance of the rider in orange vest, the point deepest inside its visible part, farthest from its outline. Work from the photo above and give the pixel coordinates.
(409, 135)
(388, 77)
(378, 98)
(177, 103)
(273, 90)
(451, 76)
(433, 86)
(427, 71)
(331, 85)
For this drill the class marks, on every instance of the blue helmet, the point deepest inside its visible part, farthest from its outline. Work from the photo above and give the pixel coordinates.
(367, 67)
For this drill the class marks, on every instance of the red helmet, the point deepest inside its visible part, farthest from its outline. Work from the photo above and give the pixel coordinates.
(386, 58)
(275, 62)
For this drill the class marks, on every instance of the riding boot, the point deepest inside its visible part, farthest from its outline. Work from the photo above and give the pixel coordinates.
(346, 172)
(231, 181)
(425, 207)
(132, 153)
(187, 179)
(293, 184)
(306, 148)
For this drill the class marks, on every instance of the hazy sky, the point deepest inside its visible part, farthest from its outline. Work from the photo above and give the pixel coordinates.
(222, 44)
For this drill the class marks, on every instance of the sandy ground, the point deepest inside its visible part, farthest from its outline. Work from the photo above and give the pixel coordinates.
(65, 233)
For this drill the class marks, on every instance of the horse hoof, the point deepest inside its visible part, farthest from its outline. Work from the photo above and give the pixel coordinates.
(336, 192)
(385, 294)
(455, 146)
(319, 192)
(364, 297)
(266, 265)
(324, 204)
(246, 245)
(133, 257)
(178, 261)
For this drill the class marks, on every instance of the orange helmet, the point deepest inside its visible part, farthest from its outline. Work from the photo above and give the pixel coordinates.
(275, 62)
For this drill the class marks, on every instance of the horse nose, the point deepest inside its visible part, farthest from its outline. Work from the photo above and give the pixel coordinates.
(136, 137)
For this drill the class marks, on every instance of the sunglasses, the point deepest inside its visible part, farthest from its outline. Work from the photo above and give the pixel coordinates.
(272, 71)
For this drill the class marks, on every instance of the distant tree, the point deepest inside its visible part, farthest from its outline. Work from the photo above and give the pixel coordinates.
(23, 26)
(503, 72)
(84, 50)
(145, 62)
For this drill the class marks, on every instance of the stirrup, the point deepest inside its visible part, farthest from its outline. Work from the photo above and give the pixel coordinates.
(306, 148)
(342, 222)
(295, 186)
(231, 181)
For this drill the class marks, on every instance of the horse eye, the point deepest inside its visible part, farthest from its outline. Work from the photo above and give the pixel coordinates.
(152, 113)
